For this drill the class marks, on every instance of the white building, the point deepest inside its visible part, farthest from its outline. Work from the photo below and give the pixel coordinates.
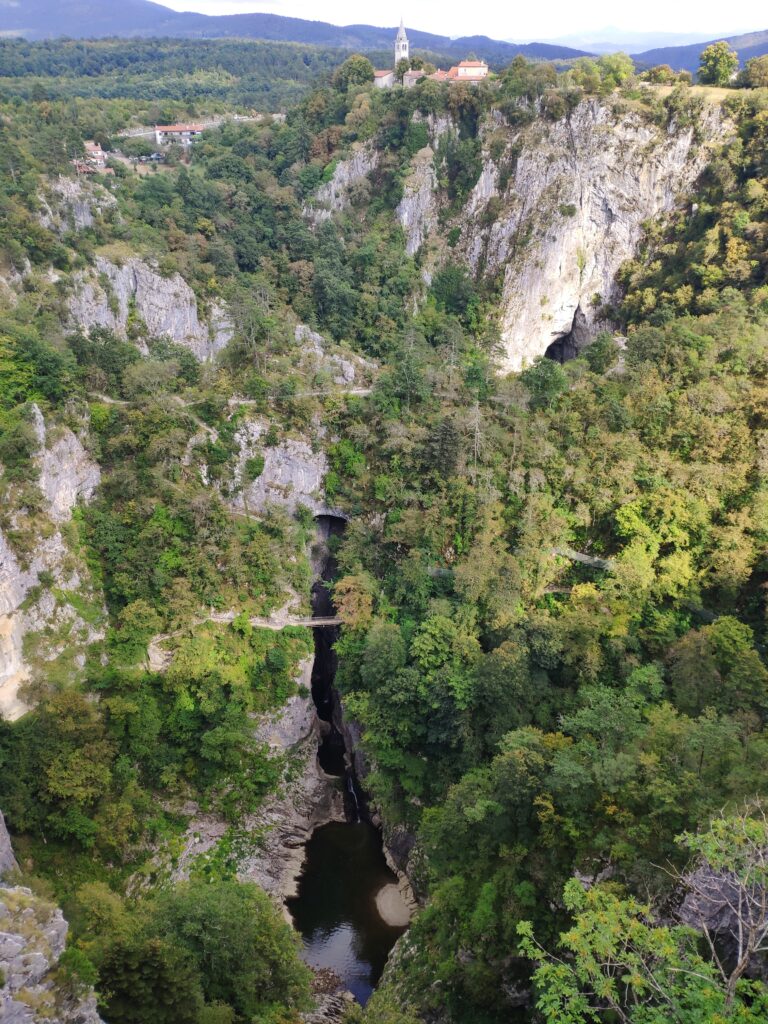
(383, 79)
(182, 134)
(402, 46)
(471, 72)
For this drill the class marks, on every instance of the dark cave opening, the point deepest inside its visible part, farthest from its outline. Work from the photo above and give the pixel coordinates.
(569, 346)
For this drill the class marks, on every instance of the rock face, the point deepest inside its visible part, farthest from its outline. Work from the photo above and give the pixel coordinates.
(335, 195)
(71, 205)
(293, 473)
(417, 211)
(51, 623)
(67, 473)
(572, 212)
(166, 305)
(346, 371)
(33, 935)
(7, 859)
(308, 799)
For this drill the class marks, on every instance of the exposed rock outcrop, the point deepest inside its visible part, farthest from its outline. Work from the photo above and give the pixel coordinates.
(418, 208)
(7, 859)
(33, 935)
(335, 194)
(72, 205)
(346, 371)
(308, 800)
(579, 191)
(167, 306)
(331, 1009)
(50, 622)
(293, 473)
(67, 472)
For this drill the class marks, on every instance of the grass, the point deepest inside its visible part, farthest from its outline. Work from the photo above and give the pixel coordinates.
(710, 93)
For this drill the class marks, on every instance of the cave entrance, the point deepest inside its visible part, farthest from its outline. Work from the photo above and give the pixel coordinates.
(569, 346)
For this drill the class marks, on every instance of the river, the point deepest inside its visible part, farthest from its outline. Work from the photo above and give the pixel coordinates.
(348, 910)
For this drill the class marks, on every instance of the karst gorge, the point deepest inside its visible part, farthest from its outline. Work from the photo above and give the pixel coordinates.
(383, 545)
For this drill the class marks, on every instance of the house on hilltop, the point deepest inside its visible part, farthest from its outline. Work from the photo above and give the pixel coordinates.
(383, 79)
(470, 71)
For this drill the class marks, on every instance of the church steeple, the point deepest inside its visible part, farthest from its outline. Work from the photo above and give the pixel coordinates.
(402, 46)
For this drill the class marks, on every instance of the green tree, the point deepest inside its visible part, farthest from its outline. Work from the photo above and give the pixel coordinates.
(237, 944)
(718, 64)
(616, 960)
(615, 69)
(717, 666)
(150, 981)
(356, 70)
(403, 66)
(545, 380)
(756, 73)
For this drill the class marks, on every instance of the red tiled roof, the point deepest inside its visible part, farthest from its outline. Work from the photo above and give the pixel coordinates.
(382, 74)
(179, 128)
(472, 64)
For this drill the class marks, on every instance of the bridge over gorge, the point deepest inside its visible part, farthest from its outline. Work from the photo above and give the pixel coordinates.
(160, 659)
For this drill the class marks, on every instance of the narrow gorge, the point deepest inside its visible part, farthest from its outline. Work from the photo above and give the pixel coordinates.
(348, 907)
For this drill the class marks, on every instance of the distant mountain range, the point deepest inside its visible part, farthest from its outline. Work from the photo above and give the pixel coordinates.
(686, 58)
(92, 19)
(611, 40)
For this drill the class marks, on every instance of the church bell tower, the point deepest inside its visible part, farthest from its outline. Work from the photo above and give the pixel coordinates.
(402, 47)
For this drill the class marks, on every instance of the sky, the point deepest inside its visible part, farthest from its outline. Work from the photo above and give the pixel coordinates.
(502, 19)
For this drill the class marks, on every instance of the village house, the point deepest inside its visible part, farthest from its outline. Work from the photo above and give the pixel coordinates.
(94, 161)
(181, 134)
(383, 79)
(470, 71)
(95, 155)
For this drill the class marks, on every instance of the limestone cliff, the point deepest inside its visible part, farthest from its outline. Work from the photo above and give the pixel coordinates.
(337, 193)
(43, 623)
(417, 211)
(572, 212)
(292, 474)
(71, 205)
(33, 935)
(557, 208)
(159, 306)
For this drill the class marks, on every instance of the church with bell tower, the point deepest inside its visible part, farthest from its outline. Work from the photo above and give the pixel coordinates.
(402, 46)
(469, 72)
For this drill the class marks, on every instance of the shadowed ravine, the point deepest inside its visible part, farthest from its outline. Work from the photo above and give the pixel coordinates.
(335, 910)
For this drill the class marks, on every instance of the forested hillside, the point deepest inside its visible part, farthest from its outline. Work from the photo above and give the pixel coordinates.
(240, 74)
(95, 19)
(551, 581)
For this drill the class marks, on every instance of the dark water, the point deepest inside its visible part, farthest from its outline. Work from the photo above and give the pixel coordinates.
(335, 910)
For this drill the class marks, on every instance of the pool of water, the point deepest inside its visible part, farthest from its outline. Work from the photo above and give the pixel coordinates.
(335, 909)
